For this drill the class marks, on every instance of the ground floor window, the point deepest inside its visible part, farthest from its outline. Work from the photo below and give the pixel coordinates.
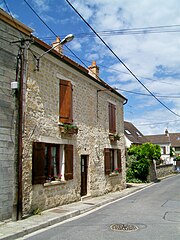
(112, 160)
(51, 162)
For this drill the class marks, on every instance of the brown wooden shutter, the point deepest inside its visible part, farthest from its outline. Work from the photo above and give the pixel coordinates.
(119, 160)
(38, 163)
(112, 118)
(65, 101)
(68, 162)
(107, 161)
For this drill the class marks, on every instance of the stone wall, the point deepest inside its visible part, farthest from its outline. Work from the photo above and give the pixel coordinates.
(90, 114)
(164, 170)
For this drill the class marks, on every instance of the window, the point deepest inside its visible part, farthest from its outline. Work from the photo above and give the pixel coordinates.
(65, 102)
(128, 132)
(139, 135)
(112, 118)
(112, 160)
(50, 161)
(163, 150)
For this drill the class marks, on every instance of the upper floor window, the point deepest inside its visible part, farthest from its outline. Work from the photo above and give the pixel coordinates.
(112, 118)
(51, 161)
(65, 101)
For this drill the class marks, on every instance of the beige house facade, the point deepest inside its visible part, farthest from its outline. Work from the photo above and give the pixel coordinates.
(73, 139)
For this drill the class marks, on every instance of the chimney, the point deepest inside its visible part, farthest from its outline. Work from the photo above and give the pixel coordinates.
(166, 133)
(58, 48)
(94, 70)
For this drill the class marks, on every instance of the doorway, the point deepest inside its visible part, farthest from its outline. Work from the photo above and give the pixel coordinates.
(84, 172)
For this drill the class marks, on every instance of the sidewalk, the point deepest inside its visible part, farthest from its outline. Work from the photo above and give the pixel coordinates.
(13, 230)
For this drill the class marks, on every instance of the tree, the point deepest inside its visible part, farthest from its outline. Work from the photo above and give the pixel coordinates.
(139, 160)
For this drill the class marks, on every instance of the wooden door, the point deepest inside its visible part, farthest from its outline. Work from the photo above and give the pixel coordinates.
(84, 171)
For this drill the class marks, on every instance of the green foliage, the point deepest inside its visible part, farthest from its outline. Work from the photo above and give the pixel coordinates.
(172, 152)
(36, 211)
(138, 170)
(139, 161)
(146, 150)
(177, 158)
(69, 126)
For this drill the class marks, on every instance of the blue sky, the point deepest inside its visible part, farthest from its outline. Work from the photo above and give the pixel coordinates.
(151, 53)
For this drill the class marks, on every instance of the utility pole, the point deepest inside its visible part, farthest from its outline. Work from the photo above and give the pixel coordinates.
(20, 79)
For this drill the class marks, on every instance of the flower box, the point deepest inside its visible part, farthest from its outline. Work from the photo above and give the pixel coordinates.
(68, 129)
(114, 137)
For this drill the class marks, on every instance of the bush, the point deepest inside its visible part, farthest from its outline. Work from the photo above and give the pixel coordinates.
(138, 171)
(139, 161)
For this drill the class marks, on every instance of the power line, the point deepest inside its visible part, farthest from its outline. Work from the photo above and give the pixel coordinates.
(121, 60)
(154, 123)
(129, 31)
(145, 94)
(145, 78)
(40, 18)
(54, 33)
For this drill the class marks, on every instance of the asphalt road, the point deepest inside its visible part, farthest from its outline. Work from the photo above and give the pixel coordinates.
(150, 214)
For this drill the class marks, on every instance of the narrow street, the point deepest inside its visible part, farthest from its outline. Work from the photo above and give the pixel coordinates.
(151, 214)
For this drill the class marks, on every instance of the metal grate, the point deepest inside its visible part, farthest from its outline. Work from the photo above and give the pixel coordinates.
(124, 227)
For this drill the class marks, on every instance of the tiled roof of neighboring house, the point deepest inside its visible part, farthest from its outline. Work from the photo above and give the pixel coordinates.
(161, 139)
(133, 134)
(175, 139)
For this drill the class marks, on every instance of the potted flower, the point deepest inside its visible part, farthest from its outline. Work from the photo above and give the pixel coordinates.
(68, 128)
(114, 137)
(116, 170)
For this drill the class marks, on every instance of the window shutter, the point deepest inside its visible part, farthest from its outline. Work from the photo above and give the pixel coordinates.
(112, 118)
(68, 162)
(107, 161)
(65, 101)
(38, 163)
(119, 160)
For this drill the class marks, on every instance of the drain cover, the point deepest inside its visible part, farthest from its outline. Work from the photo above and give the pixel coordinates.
(124, 227)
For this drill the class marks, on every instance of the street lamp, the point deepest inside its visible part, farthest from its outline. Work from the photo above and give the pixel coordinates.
(65, 40)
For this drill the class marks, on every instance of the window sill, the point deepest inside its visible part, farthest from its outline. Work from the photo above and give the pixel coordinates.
(52, 183)
(113, 174)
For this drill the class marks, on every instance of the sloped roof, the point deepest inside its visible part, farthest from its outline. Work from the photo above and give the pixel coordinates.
(76, 66)
(159, 139)
(175, 139)
(133, 134)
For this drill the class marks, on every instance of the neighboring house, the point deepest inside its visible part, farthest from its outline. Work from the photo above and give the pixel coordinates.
(175, 143)
(163, 140)
(10, 31)
(133, 135)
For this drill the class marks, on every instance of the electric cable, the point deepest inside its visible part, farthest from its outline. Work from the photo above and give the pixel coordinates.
(121, 60)
(145, 94)
(123, 72)
(154, 123)
(40, 18)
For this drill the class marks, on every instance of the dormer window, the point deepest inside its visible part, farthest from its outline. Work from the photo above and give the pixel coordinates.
(128, 132)
(139, 135)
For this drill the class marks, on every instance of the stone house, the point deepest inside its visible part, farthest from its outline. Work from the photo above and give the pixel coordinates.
(73, 142)
(10, 31)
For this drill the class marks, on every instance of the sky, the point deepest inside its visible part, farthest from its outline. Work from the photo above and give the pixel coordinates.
(144, 36)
